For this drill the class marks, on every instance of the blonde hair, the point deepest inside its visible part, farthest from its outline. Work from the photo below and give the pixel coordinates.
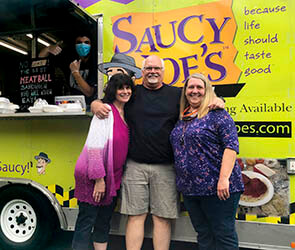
(208, 97)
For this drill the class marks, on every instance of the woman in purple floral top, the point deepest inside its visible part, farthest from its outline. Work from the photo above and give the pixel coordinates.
(205, 145)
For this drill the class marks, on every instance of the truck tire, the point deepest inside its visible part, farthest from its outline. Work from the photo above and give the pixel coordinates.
(26, 219)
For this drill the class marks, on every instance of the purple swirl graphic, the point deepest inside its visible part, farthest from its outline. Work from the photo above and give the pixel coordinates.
(123, 1)
(87, 3)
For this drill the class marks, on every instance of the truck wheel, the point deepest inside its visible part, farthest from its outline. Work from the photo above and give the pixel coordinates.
(25, 219)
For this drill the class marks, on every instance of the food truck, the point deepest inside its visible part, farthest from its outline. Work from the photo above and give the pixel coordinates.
(245, 47)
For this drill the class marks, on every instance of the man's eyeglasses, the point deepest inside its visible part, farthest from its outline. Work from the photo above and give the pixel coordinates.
(152, 68)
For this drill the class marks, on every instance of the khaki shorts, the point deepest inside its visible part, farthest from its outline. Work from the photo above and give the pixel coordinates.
(149, 188)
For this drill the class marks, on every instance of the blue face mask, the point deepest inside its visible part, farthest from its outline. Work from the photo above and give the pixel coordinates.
(83, 49)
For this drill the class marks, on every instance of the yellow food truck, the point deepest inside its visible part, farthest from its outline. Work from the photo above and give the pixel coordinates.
(245, 47)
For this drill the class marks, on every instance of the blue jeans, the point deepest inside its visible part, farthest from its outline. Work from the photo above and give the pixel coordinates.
(214, 221)
(93, 217)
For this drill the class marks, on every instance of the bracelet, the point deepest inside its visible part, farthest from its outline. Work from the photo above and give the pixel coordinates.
(75, 71)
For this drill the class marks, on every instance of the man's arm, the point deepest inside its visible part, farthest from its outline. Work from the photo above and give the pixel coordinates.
(84, 86)
(217, 103)
(52, 49)
(100, 109)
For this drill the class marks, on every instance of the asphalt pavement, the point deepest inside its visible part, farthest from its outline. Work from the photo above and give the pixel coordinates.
(62, 241)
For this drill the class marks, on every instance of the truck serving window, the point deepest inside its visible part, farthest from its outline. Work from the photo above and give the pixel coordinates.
(30, 68)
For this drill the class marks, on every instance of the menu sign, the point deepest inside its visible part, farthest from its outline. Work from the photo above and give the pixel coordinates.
(36, 81)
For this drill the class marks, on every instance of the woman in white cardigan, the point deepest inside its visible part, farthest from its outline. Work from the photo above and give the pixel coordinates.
(99, 169)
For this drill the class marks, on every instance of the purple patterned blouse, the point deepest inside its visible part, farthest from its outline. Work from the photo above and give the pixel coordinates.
(198, 147)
